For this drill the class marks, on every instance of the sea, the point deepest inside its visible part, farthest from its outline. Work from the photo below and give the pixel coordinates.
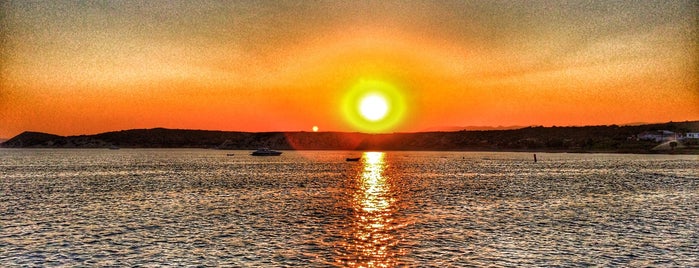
(204, 208)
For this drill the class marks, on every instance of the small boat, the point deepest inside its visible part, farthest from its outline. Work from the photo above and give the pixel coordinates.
(265, 152)
(230, 154)
(353, 159)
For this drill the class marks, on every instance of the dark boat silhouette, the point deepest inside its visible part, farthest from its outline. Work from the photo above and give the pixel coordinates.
(353, 159)
(265, 152)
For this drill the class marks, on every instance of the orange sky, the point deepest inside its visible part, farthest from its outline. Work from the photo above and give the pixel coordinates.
(81, 68)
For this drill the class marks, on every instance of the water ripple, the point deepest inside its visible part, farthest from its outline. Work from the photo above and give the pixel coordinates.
(203, 208)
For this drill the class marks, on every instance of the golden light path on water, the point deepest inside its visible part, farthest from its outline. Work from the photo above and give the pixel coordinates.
(373, 240)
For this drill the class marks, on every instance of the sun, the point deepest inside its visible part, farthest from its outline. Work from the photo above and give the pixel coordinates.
(315, 128)
(373, 107)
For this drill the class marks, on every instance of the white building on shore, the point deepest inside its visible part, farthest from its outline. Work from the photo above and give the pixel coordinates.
(659, 135)
(691, 135)
(666, 135)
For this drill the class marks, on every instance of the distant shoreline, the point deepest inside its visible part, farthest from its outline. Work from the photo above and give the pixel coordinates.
(588, 139)
(693, 151)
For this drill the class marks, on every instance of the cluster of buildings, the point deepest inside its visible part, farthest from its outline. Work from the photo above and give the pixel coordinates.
(666, 135)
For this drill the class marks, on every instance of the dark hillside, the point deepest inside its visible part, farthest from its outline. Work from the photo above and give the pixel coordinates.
(611, 138)
(32, 139)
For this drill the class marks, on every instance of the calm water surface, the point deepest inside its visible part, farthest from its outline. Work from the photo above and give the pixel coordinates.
(202, 207)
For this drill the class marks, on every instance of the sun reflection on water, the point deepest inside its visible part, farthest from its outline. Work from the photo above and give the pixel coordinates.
(373, 240)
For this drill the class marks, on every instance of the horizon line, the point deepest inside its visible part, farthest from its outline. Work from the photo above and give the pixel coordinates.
(434, 129)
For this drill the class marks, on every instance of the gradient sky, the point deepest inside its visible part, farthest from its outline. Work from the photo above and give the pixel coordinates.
(83, 67)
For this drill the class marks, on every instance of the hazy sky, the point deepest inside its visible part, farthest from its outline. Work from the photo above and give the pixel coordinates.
(81, 67)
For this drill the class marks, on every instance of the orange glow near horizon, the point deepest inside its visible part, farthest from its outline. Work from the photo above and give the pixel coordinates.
(248, 66)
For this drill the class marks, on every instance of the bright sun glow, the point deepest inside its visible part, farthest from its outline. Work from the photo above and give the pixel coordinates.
(315, 128)
(373, 107)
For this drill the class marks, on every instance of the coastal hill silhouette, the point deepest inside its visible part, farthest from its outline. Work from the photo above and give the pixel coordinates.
(610, 138)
